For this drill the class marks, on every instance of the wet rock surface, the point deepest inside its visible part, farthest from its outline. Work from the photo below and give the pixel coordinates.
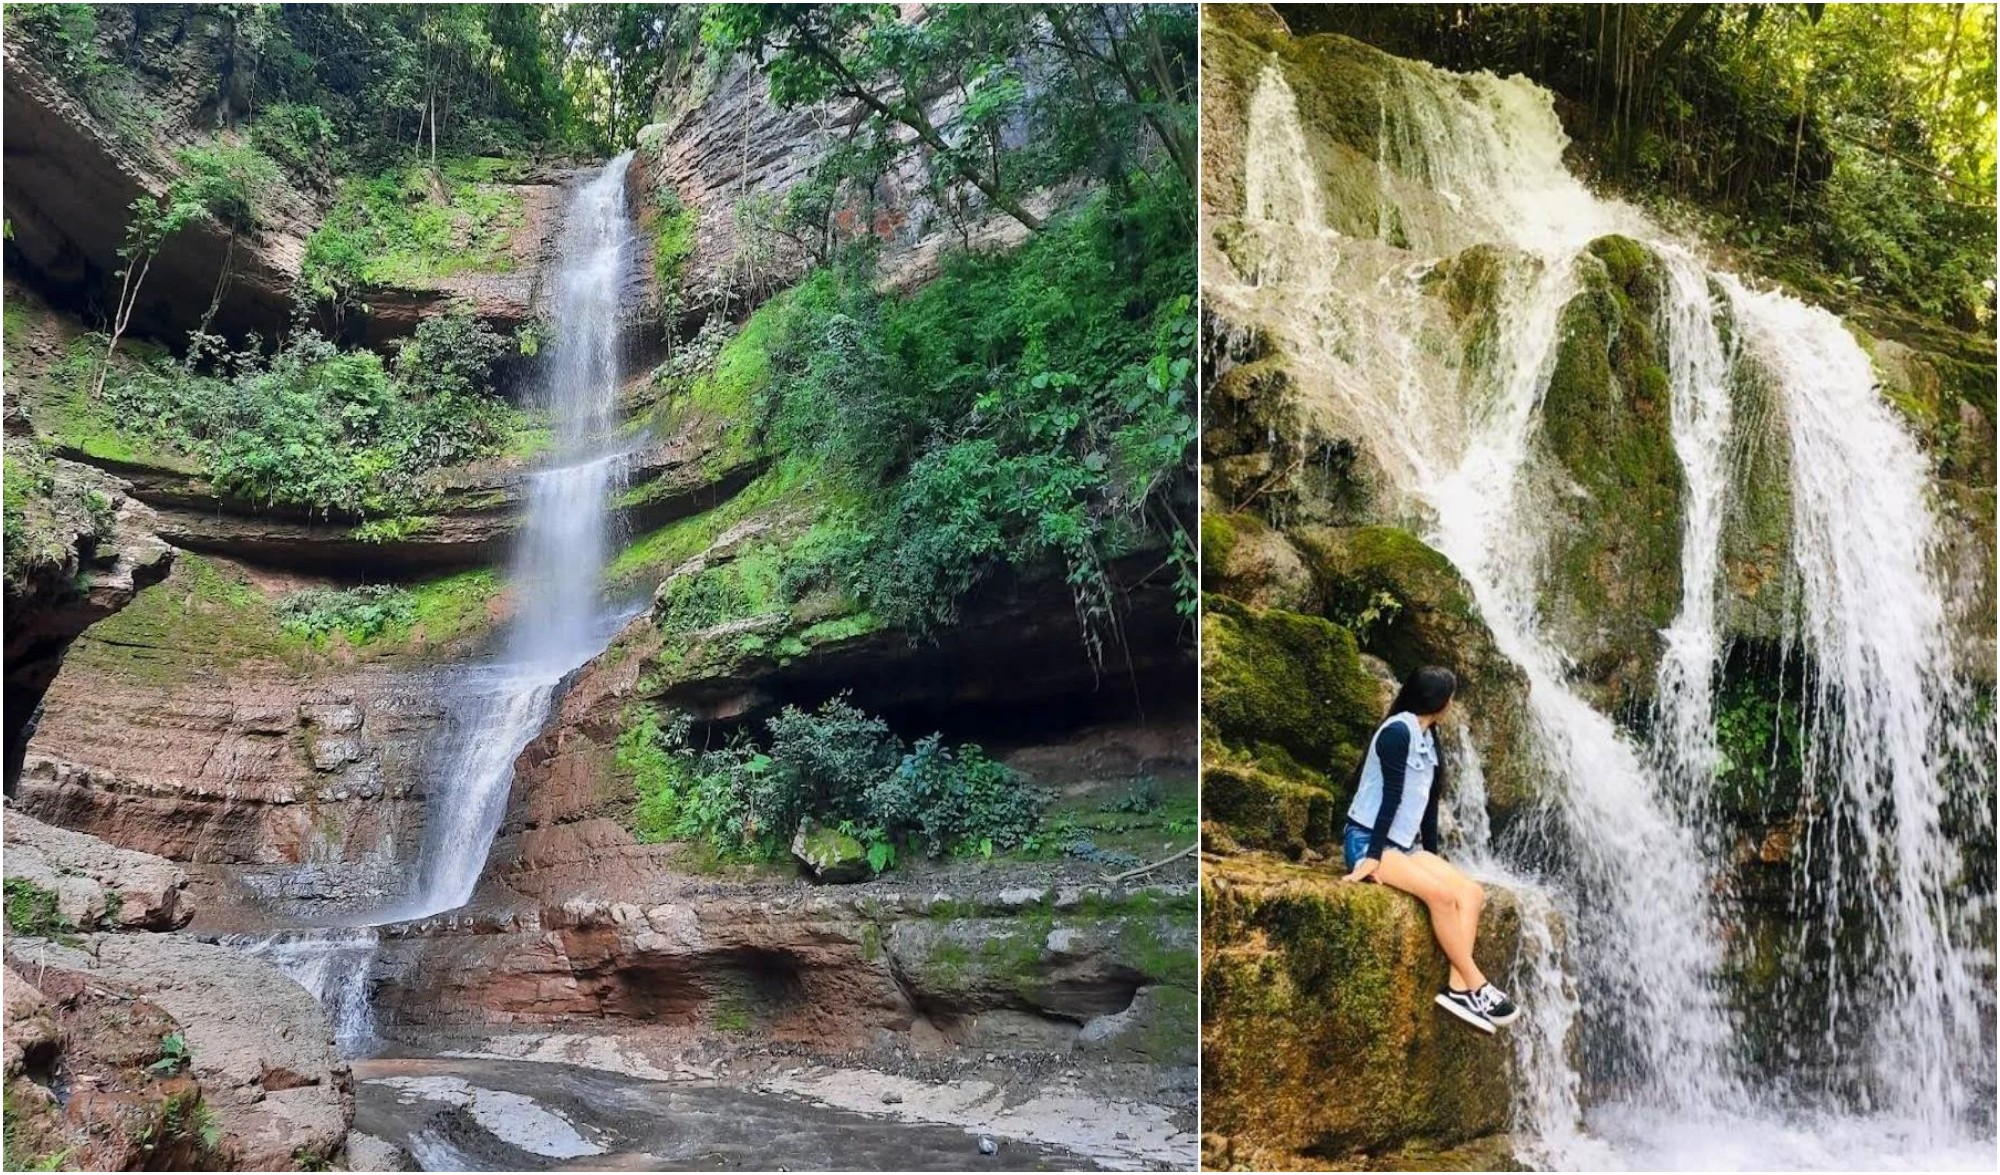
(475, 1110)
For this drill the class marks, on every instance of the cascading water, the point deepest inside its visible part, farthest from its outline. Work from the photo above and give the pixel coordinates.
(1618, 872)
(559, 620)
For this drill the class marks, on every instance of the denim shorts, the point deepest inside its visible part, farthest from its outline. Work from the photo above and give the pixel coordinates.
(1354, 844)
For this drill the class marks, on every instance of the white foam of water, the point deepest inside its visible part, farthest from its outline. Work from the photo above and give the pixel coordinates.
(1477, 160)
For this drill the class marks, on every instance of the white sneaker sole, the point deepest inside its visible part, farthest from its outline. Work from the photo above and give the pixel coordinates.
(1466, 1014)
(1509, 1018)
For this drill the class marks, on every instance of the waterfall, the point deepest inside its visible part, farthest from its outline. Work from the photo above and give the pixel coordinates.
(1618, 867)
(559, 617)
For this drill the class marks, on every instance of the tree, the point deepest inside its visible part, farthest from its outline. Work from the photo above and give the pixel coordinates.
(863, 52)
(223, 185)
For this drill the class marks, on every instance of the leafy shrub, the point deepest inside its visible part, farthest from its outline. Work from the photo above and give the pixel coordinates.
(228, 180)
(317, 427)
(1025, 408)
(298, 136)
(837, 766)
(361, 612)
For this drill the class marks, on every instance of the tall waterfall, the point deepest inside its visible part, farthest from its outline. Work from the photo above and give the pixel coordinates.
(559, 618)
(1622, 860)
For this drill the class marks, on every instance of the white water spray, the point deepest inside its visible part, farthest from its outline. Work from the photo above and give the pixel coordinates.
(1621, 856)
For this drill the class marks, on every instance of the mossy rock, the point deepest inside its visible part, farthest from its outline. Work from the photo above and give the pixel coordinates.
(1757, 531)
(1612, 485)
(1244, 558)
(1337, 83)
(1259, 810)
(833, 856)
(1408, 605)
(1285, 690)
(1319, 1032)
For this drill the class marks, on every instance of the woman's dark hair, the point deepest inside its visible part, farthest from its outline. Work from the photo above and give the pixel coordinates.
(1426, 691)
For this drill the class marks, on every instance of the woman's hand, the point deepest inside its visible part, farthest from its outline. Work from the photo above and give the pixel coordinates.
(1364, 870)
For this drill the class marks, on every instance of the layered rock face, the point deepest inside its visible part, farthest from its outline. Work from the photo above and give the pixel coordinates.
(133, 1051)
(191, 726)
(76, 166)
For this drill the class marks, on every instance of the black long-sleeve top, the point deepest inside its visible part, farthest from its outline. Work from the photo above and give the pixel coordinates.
(1392, 750)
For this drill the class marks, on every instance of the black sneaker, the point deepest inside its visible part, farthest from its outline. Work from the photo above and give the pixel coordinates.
(1466, 1006)
(1495, 1004)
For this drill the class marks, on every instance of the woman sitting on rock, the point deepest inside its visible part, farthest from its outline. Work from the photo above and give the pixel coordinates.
(1391, 837)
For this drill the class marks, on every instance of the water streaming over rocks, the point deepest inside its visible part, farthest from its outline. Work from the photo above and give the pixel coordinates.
(1618, 870)
(560, 620)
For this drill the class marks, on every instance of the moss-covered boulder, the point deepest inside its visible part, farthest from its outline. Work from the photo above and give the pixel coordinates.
(830, 855)
(1408, 605)
(1286, 690)
(1612, 485)
(1262, 450)
(1257, 809)
(1319, 1033)
(1244, 558)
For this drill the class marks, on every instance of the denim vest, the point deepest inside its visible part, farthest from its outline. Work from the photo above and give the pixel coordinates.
(1419, 772)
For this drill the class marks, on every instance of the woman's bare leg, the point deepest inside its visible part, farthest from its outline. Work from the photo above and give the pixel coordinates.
(1472, 896)
(1448, 920)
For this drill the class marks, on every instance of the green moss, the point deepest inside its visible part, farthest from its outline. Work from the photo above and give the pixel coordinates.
(1284, 689)
(1218, 536)
(1264, 811)
(1606, 430)
(674, 228)
(202, 615)
(1304, 976)
(945, 968)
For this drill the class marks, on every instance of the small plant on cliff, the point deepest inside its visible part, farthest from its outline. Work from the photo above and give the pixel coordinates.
(174, 1055)
(33, 912)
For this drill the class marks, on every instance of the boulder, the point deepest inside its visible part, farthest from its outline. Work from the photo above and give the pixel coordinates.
(1285, 689)
(1612, 481)
(1245, 559)
(1260, 810)
(96, 885)
(1321, 1043)
(260, 1055)
(830, 854)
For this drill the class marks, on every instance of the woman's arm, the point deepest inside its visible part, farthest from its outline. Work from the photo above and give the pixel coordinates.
(1429, 837)
(1392, 750)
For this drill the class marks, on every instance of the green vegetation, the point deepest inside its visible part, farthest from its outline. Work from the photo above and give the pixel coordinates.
(316, 427)
(1850, 146)
(1132, 64)
(411, 225)
(1025, 408)
(836, 766)
(381, 614)
(174, 1055)
(32, 911)
(46, 517)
